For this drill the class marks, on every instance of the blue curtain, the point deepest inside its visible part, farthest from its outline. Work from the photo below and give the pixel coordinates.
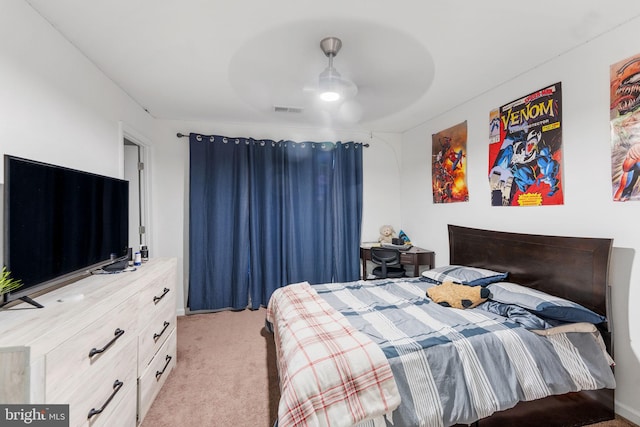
(264, 214)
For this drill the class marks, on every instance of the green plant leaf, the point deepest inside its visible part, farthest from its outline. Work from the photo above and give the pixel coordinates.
(7, 283)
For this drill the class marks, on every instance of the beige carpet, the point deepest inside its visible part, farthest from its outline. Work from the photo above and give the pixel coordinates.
(226, 375)
(222, 375)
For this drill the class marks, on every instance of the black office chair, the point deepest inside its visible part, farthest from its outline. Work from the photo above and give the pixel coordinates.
(389, 261)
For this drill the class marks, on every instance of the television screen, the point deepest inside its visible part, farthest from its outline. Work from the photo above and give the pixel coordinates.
(60, 223)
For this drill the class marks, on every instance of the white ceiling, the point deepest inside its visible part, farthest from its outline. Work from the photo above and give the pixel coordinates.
(232, 61)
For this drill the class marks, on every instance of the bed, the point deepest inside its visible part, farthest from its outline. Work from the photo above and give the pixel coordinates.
(381, 353)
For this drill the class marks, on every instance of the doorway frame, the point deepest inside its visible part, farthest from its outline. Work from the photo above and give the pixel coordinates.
(130, 134)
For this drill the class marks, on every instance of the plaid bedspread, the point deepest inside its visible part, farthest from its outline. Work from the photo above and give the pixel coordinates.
(330, 373)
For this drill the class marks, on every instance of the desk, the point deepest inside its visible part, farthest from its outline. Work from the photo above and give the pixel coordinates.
(414, 256)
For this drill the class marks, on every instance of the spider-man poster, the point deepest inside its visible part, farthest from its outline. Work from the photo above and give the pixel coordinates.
(525, 161)
(625, 129)
(449, 165)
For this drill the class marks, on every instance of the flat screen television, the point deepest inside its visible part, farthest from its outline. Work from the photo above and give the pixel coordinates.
(60, 224)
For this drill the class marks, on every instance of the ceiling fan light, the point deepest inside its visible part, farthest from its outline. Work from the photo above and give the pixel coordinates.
(330, 96)
(329, 85)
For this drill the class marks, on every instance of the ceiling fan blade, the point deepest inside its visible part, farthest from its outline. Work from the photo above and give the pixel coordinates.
(351, 112)
(349, 89)
(310, 88)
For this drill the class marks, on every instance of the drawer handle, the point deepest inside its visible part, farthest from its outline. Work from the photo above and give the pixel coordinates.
(156, 336)
(157, 299)
(116, 388)
(159, 373)
(118, 333)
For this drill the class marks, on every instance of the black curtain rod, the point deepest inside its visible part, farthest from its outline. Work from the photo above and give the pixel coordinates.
(182, 135)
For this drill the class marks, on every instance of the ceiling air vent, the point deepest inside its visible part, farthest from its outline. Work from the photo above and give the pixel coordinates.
(282, 109)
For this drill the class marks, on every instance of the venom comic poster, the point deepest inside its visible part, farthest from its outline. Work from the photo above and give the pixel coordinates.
(449, 165)
(525, 161)
(625, 129)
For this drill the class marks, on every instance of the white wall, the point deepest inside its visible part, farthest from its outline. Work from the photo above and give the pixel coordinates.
(381, 197)
(588, 208)
(55, 105)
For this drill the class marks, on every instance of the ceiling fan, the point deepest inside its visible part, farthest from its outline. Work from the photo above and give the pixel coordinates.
(332, 86)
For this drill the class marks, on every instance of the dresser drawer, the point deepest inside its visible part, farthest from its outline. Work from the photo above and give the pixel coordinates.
(156, 296)
(90, 350)
(154, 376)
(153, 335)
(101, 390)
(123, 415)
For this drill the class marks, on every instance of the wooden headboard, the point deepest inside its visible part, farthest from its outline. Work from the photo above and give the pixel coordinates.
(575, 268)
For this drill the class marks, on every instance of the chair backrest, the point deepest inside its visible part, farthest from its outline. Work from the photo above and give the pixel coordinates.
(388, 256)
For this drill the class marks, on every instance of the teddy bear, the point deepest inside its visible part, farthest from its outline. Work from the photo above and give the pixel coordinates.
(387, 233)
(456, 295)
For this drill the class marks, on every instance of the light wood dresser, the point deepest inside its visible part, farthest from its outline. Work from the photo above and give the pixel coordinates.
(104, 345)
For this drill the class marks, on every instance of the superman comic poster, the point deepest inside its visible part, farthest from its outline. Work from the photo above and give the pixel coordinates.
(525, 161)
(624, 119)
(449, 165)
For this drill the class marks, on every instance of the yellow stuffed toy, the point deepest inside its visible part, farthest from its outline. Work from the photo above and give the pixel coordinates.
(455, 295)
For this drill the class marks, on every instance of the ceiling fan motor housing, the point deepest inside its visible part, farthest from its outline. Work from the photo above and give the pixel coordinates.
(330, 46)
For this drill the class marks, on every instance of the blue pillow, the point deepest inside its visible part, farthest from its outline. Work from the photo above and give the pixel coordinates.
(471, 276)
(543, 304)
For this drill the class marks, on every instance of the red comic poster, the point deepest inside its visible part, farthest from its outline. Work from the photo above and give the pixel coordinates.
(625, 129)
(525, 161)
(449, 165)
